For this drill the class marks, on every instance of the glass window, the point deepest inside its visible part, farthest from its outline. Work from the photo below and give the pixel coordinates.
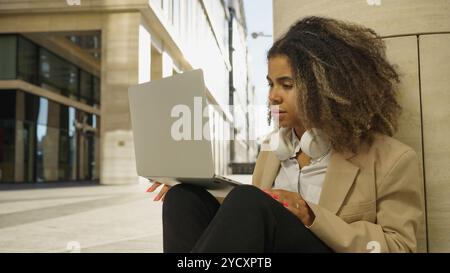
(27, 60)
(72, 144)
(26, 139)
(94, 121)
(54, 113)
(42, 117)
(7, 134)
(31, 108)
(86, 87)
(96, 90)
(47, 153)
(7, 104)
(7, 141)
(67, 145)
(64, 155)
(57, 74)
(8, 46)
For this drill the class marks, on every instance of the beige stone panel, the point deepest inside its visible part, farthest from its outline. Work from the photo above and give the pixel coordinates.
(435, 84)
(50, 22)
(403, 53)
(389, 18)
(118, 165)
(120, 40)
(68, 5)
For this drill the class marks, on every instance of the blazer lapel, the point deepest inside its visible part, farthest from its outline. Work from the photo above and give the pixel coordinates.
(339, 178)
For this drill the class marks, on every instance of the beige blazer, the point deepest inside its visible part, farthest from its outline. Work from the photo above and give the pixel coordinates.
(374, 195)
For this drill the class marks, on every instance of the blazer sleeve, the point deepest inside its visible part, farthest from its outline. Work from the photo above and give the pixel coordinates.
(259, 168)
(398, 214)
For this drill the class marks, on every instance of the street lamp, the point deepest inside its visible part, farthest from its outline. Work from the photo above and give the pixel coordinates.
(259, 34)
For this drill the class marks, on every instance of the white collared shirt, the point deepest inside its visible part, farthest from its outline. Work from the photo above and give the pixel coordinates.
(307, 181)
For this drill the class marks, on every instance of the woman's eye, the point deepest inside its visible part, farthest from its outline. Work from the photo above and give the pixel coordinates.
(286, 86)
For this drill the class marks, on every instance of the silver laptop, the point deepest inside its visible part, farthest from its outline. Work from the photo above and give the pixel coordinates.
(166, 149)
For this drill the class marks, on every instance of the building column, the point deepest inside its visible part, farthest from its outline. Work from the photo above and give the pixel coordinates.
(119, 69)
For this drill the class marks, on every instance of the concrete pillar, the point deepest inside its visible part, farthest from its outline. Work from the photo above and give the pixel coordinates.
(119, 69)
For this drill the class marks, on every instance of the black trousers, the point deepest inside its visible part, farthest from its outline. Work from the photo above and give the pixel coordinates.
(248, 220)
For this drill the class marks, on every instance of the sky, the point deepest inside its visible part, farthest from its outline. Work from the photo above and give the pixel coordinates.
(259, 18)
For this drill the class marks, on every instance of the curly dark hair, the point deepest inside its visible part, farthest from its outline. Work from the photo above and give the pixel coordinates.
(346, 86)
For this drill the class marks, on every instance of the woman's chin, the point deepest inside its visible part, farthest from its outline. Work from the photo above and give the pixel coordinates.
(283, 124)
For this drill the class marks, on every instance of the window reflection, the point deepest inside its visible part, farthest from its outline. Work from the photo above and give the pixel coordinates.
(86, 87)
(27, 61)
(8, 45)
(41, 140)
(57, 74)
(47, 141)
(23, 59)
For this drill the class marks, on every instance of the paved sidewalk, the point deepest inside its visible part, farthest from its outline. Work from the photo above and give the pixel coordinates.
(80, 218)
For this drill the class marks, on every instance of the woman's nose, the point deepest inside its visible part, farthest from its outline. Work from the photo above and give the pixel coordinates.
(274, 97)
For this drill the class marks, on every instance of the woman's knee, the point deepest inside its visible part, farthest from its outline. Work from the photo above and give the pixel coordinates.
(245, 192)
(183, 194)
(180, 191)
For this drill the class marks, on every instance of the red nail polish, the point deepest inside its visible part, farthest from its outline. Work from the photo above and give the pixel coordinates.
(275, 196)
(285, 204)
(148, 190)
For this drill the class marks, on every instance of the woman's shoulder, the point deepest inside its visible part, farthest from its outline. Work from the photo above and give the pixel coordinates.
(385, 152)
(389, 146)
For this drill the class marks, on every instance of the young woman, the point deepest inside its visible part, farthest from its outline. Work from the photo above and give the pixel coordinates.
(329, 80)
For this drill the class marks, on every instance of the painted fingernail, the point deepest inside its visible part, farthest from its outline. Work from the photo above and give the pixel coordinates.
(149, 189)
(275, 196)
(285, 204)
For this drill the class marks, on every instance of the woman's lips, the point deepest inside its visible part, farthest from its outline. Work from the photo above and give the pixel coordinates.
(278, 113)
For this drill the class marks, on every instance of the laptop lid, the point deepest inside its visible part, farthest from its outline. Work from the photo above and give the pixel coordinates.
(170, 128)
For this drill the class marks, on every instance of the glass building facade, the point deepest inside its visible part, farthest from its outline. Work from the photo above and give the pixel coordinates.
(42, 140)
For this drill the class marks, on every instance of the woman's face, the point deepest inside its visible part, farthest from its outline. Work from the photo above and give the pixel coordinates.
(283, 92)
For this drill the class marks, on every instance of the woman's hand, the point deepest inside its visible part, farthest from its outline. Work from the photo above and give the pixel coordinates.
(162, 192)
(294, 203)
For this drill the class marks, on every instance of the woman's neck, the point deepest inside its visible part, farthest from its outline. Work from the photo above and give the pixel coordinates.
(299, 131)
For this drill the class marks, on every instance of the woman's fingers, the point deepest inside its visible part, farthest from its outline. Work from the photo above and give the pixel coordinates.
(161, 193)
(272, 194)
(154, 187)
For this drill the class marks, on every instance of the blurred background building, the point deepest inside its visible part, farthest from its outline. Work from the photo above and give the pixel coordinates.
(66, 66)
